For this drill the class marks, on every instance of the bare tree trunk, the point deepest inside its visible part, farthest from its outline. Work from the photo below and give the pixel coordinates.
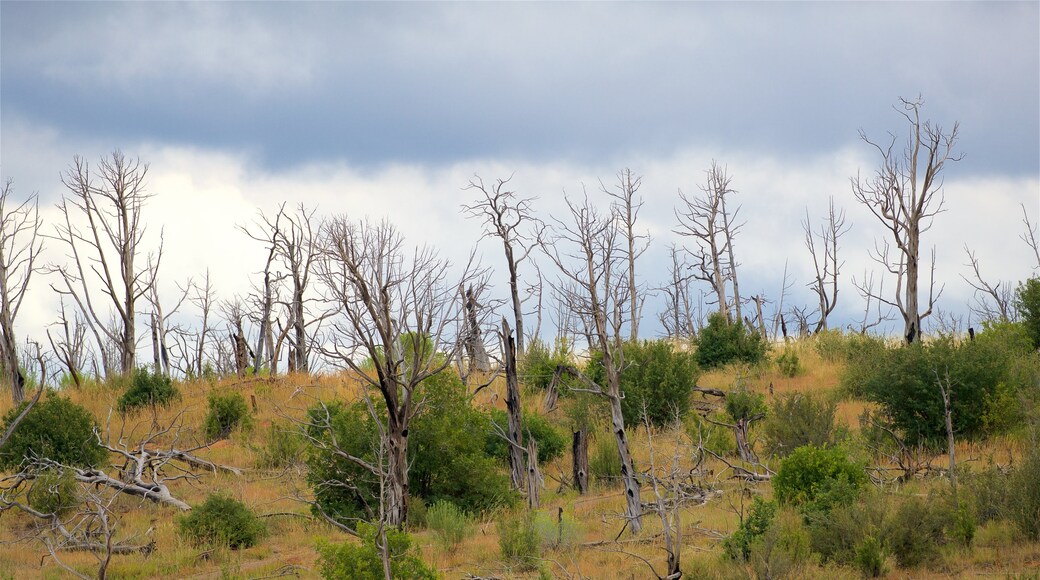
(397, 468)
(946, 389)
(730, 234)
(534, 476)
(474, 342)
(580, 456)
(516, 454)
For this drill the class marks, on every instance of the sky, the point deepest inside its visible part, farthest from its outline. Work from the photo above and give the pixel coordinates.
(387, 110)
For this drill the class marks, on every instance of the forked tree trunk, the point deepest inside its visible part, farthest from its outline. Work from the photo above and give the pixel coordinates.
(580, 466)
(516, 454)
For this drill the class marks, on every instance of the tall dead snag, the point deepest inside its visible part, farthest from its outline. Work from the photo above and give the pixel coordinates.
(515, 434)
(104, 251)
(296, 246)
(592, 287)
(580, 460)
(1029, 237)
(825, 260)
(905, 194)
(707, 220)
(992, 301)
(20, 245)
(473, 340)
(503, 214)
(677, 318)
(396, 308)
(628, 211)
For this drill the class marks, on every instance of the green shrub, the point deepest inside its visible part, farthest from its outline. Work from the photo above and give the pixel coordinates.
(363, 562)
(753, 525)
(818, 478)
(1027, 304)
(352, 428)
(518, 540)
(54, 491)
(605, 461)
(656, 380)
(799, 419)
(556, 533)
(742, 403)
(448, 523)
(222, 520)
(226, 411)
(917, 531)
(538, 365)
(147, 390)
(788, 364)
(55, 428)
(551, 444)
(870, 558)
(783, 550)
(1013, 496)
(837, 346)
(282, 447)
(719, 440)
(722, 342)
(839, 534)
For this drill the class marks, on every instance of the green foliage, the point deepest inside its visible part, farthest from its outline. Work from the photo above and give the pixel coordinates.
(222, 520)
(551, 443)
(55, 428)
(1013, 496)
(448, 523)
(363, 562)
(903, 380)
(1027, 303)
(834, 345)
(538, 365)
(722, 342)
(818, 478)
(870, 558)
(282, 447)
(719, 440)
(54, 491)
(605, 462)
(799, 419)
(841, 534)
(343, 490)
(147, 390)
(742, 403)
(783, 550)
(226, 411)
(917, 531)
(788, 364)
(556, 533)
(518, 540)
(753, 525)
(656, 379)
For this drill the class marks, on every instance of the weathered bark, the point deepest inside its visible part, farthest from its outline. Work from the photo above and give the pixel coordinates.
(534, 475)
(740, 433)
(513, 409)
(397, 469)
(580, 461)
(474, 342)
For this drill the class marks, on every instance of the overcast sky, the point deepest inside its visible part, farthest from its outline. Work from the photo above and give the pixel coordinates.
(388, 109)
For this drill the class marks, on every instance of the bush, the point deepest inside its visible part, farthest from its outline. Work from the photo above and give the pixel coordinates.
(1027, 303)
(55, 428)
(448, 523)
(788, 364)
(656, 379)
(54, 491)
(797, 420)
(282, 447)
(226, 411)
(1013, 496)
(836, 346)
(742, 403)
(605, 461)
(818, 478)
(870, 558)
(556, 534)
(518, 540)
(551, 444)
(718, 440)
(783, 550)
(538, 365)
(363, 562)
(752, 526)
(722, 342)
(903, 380)
(147, 390)
(917, 531)
(841, 534)
(222, 520)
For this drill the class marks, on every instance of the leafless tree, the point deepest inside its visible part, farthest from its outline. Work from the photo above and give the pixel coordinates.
(1029, 237)
(398, 311)
(70, 345)
(707, 220)
(514, 434)
(905, 194)
(678, 318)
(203, 297)
(160, 321)
(504, 214)
(992, 301)
(268, 234)
(825, 259)
(866, 291)
(592, 285)
(237, 354)
(628, 212)
(110, 199)
(20, 245)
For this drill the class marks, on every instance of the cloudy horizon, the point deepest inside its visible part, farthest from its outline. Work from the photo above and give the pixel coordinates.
(388, 110)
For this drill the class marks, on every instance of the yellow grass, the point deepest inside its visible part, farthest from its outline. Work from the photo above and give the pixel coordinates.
(291, 541)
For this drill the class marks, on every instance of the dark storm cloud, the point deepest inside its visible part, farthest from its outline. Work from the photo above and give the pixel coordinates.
(435, 83)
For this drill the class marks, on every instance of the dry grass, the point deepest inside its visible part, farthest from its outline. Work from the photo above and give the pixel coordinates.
(290, 544)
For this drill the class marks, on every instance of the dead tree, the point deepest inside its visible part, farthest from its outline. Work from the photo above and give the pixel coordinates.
(267, 235)
(580, 460)
(628, 211)
(473, 340)
(707, 221)
(905, 194)
(593, 287)
(1029, 237)
(160, 321)
(296, 246)
(203, 298)
(946, 390)
(20, 245)
(677, 318)
(825, 260)
(105, 252)
(70, 345)
(397, 308)
(992, 301)
(514, 435)
(504, 214)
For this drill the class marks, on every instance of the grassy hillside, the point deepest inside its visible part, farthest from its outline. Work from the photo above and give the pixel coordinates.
(592, 521)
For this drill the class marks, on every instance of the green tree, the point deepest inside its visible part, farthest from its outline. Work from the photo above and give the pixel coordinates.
(1027, 303)
(723, 342)
(55, 428)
